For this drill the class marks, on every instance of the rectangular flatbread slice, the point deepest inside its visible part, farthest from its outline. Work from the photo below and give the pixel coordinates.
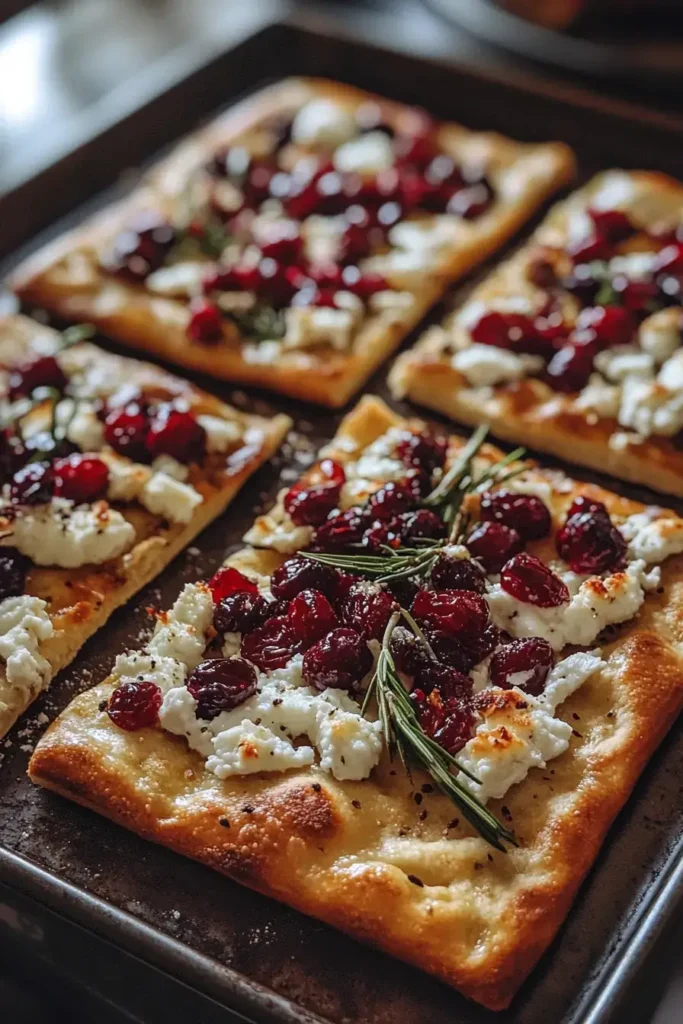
(295, 240)
(289, 789)
(573, 346)
(83, 525)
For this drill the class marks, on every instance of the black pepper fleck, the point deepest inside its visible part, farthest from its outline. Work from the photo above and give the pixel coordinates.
(416, 881)
(224, 822)
(248, 809)
(356, 804)
(417, 797)
(103, 705)
(316, 786)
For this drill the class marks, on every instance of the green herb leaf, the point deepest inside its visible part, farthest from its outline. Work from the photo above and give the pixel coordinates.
(262, 322)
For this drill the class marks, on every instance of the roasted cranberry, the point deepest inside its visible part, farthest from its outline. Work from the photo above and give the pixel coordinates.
(541, 272)
(258, 181)
(449, 722)
(510, 331)
(277, 282)
(422, 524)
(176, 433)
(135, 705)
(355, 243)
(272, 645)
(13, 453)
(312, 616)
(310, 501)
(282, 241)
(455, 612)
(327, 275)
(523, 663)
(472, 201)
(450, 650)
(588, 541)
(423, 451)
(493, 544)
(206, 322)
(614, 225)
(404, 590)
(383, 533)
(479, 647)
(220, 684)
(240, 612)
(125, 430)
(638, 296)
(299, 194)
(594, 247)
(340, 660)
(367, 609)
(297, 574)
(227, 580)
(42, 372)
(418, 148)
(364, 285)
(457, 574)
(409, 653)
(33, 485)
(611, 325)
(143, 246)
(583, 282)
(525, 513)
(448, 680)
(342, 531)
(13, 572)
(669, 259)
(392, 498)
(571, 366)
(527, 579)
(81, 478)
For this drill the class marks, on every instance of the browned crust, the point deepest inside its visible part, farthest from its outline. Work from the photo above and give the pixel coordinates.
(81, 600)
(481, 919)
(65, 278)
(529, 413)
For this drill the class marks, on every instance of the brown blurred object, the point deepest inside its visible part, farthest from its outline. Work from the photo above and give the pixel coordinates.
(562, 13)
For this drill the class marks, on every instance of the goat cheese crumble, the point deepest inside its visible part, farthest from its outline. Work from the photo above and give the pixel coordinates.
(24, 625)
(61, 534)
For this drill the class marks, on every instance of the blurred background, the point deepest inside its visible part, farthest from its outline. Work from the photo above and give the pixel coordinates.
(71, 68)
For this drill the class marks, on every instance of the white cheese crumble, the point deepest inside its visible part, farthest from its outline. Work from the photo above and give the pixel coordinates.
(165, 672)
(647, 407)
(62, 535)
(307, 326)
(652, 540)
(660, 333)
(85, 430)
(179, 279)
(486, 365)
(599, 398)
(163, 496)
(623, 361)
(248, 748)
(366, 154)
(179, 635)
(277, 531)
(322, 122)
(221, 435)
(24, 624)
(171, 467)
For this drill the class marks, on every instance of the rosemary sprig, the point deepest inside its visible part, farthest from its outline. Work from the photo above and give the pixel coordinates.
(405, 737)
(262, 322)
(77, 332)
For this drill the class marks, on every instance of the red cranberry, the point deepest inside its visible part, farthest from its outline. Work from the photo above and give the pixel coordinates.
(522, 663)
(221, 684)
(327, 275)
(493, 544)
(227, 580)
(42, 372)
(309, 502)
(611, 325)
(125, 430)
(282, 241)
(278, 283)
(525, 513)
(13, 572)
(342, 531)
(143, 246)
(206, 322)
(272, 645)
(472, 201)
(417, 148)
(510, 331)
(456, 612)
(588, 541)
(355, 243)
(479, 647)
(363, 285)
(527, 579)
(450, 650)
(297, 574)
(583, 282)
(423, 451)
(299, 194)
(586, 250)
(613, 225)
(420, 524)
(448, 722)
(571, 366)
(392, 498)
(383, 533)
(669, 259)
(176, 433)
(448, 681)
(241, 612)
(340, 660)
(457, 574)
(367, 609)
(13, 453)
(258, 181)
(135, 705)
(33, 485)
(81, 478)
(409, 653)
(312, 616)
(640, 297)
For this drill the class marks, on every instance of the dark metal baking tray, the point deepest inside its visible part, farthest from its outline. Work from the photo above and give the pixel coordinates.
(158, 933)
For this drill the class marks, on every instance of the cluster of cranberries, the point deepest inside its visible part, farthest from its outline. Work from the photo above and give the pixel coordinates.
(569, 351)
(142, 432)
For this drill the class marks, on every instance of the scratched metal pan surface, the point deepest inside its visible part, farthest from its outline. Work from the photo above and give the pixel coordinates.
(242, 950)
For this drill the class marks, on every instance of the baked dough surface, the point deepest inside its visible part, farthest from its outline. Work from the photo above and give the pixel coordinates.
(81, 600)
(65, 278)
(529, 412)
(386, 859)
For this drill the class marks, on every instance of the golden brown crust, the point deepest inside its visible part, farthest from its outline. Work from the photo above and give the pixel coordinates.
(529, 412)
(81, 600)
(65, 277)
(364, 856)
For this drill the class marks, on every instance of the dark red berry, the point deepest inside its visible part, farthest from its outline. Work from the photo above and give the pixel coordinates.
(404, 590)
(81, 478)
(594, 247)
(640, 297)
(449, 722)
(297, 574)
(227, 580)
(14, 569)
(310, 501)
(572, 364)
(383, 533)
(456, 612)
(613, 225)
(392, 498)
(340, 660)
(33, 485)
(450, 650)
(364, 285)
(13, 453)
(143, 246)
(479, 647)
(522, 663)
(527, 579)
(312, 616)
(125, 430)
(588, 541)
(42, 372)
(512, 331)
(367, 609)
(417, 148)
(176, 433)
(471, 201)
(611, 325)
(282, 241)
(206, 322)
(525, 513)
(272, 645)
(448, 681)
(422, 524)
(240, 612)
(135, 705)
(342, 531)
(409, 653)
(220, 684)
(493, 544)
(457, 574)
(423, 451)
